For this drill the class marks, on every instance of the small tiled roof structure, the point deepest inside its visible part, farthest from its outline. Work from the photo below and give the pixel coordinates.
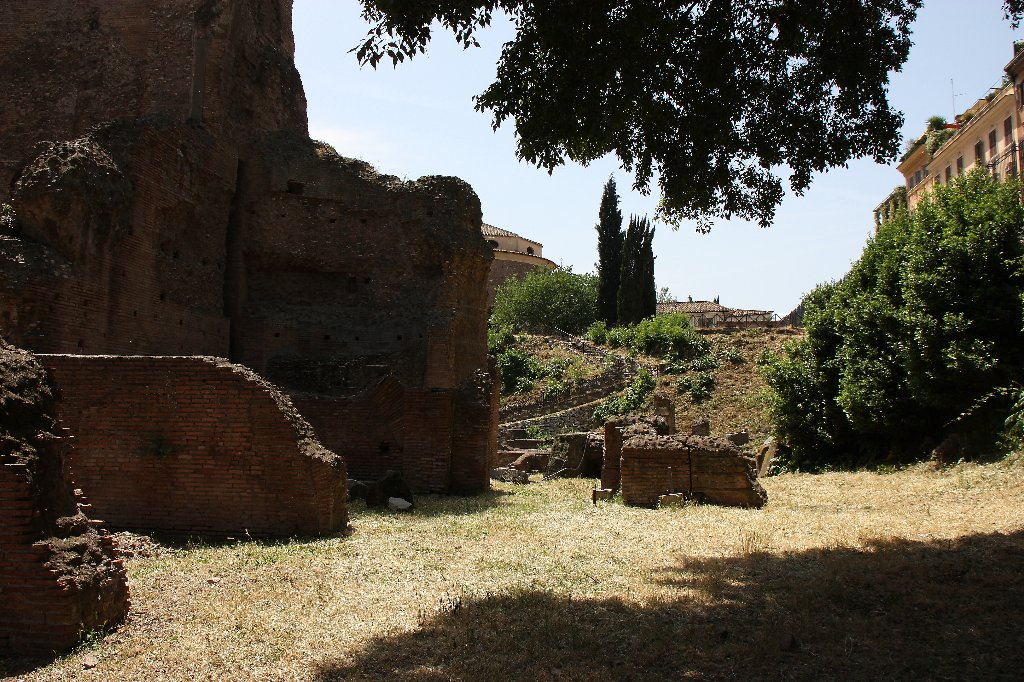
(514, 256)
(713, 313)
(492, 231)
(692, 307)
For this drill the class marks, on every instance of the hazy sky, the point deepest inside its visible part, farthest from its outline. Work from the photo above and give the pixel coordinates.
(419, 120)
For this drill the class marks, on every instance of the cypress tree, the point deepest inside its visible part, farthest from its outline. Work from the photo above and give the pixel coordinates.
(609, 253)
(630, 296)
(649, 295)
(637, 298)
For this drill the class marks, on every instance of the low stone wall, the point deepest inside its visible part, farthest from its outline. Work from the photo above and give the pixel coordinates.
(194, 445)
(59, 578)
(652, 464)
(587, 391)
(579, 418)
(709, 471)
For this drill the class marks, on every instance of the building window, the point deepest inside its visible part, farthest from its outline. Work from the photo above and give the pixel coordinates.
(529, 250)
(917, 178)
(949, 174)
(993, 145)
(1008, 131)
(979, 152)
(959, 165)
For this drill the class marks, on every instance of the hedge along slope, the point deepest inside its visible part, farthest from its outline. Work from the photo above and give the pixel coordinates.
(59, 577)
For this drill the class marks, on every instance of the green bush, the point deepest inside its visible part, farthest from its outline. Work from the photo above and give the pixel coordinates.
(597, 333)
(7, 219)
(632, 399)
(499, 339)
(730, 354)
(699, 386)
(663, 336)
(701, 363)
(545, 299)
(927, 322)
(518, 370)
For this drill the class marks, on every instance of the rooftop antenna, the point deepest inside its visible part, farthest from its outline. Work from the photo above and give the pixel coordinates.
(955, 94)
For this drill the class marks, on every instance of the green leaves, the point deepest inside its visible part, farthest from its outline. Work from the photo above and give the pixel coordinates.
(707, 99)
(926, 323)
(546, 299)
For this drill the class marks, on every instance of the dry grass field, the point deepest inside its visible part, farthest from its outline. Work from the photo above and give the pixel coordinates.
(915, 574)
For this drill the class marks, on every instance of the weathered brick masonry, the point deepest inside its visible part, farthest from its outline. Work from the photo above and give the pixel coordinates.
(194, 445)
(59, 577)
(651, 465)
(178, 207)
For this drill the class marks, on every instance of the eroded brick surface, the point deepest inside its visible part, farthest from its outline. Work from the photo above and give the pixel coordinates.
(194, 445)
(646, 464)
(170, 202)
(59, 575)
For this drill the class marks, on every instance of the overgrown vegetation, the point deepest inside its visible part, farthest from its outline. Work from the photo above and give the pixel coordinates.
(521, 368)
(914, 342)
(632, 399)
(609, 252)
(7, 219)
(668, 337)
(546, 299)
(636, 298)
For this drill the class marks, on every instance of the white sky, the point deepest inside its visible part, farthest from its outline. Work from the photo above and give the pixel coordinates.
(419, 120)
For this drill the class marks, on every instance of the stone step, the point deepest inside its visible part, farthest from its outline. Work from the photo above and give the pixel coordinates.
(525, 443)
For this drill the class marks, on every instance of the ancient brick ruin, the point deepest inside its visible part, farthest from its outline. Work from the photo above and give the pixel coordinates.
(645, 462)
(194, 445)
(169, 201)
(59, 577)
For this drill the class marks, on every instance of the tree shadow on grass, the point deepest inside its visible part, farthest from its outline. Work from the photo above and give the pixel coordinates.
(894, 610)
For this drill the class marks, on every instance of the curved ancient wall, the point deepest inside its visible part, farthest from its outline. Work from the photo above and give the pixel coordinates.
(194, 445)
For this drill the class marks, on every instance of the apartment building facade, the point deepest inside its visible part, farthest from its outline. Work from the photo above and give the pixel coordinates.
(988, 134)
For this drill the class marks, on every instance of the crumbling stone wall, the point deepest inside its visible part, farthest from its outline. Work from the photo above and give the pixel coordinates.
(59, 577)
(652, 463)
(69, 65)
(194, 445)
(178, 207)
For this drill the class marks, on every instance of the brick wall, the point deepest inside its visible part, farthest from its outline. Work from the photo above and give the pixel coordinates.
(610, 467)
(199, 218)
(59, 578)
(502, 270)
(194, 445)
(140, 273)
(46, 602)
(711, 471)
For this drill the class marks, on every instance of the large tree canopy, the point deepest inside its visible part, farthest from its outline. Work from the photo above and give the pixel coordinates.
(713, 98)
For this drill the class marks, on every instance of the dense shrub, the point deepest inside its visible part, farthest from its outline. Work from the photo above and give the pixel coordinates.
(546, 299)
(670, 337)
(499, 339)
(910, 345)
(698, 385)
(8, 219)
(597, 333)
(630, 400)
(518, 370)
